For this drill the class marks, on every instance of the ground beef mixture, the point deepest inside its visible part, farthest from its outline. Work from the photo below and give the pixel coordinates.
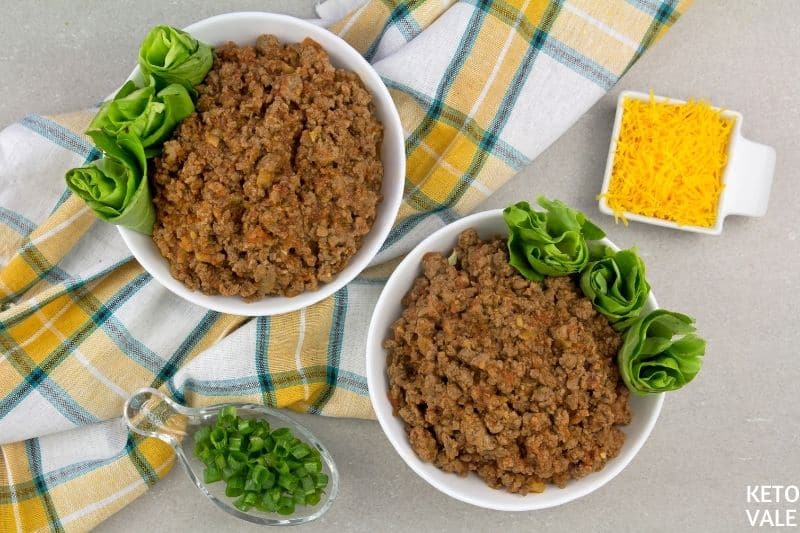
(270, 187)
(512, 379)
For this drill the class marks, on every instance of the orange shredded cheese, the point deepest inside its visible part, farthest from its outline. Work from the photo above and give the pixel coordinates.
(669, 161)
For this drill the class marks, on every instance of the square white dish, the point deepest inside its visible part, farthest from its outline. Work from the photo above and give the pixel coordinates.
(747, 176)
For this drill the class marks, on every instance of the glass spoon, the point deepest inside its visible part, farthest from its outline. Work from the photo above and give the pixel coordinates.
(152, 414)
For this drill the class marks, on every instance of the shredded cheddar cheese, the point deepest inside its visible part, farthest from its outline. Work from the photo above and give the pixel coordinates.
(669, 161)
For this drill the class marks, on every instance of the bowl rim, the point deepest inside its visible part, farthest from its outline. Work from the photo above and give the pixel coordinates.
(273, 305)
(375, 363)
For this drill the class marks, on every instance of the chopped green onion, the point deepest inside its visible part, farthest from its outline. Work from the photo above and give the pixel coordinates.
(252, 485)
(220, 461)
(300, 451)
(262, 429)
(272, 471)
(287, 481)
(258, 473)
(256, 444)
(273, 459)
(312, 466)
(202, 434)
(227, 414)
(246, 501)
(274, 494)
(269, 480)
(282, 435)
(266, 504)
(245, 427)
(232, 492)
(285, 505)
(308, 485)
(237, 461)
(204, 453)
(235, 443)
(211, 474)
(219, 437)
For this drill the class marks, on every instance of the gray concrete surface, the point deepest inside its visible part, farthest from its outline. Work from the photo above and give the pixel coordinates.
(738, 424)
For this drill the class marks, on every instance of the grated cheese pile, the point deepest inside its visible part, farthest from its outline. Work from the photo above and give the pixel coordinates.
(669, 161)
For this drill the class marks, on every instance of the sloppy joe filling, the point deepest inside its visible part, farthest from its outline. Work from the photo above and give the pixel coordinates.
(512, 379)
(270, 187)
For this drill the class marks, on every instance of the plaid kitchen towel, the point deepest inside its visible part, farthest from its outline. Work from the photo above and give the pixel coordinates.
(482, 87)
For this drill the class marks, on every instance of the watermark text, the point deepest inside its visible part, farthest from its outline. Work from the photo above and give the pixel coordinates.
(772, 505)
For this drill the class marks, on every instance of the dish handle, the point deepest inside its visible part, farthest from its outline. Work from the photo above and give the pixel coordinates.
(749, 179)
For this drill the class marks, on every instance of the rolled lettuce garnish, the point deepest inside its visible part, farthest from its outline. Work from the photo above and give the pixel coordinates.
(116, 186)
(173, 56)
(550, 242)
(660, 353)
(149, 115)
(615, 283)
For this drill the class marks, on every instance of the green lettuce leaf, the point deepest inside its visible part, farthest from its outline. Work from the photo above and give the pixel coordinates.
(550, 242)
(116, 187)
(660, 353)
(615, 283)
(173, 56)
(145, 113)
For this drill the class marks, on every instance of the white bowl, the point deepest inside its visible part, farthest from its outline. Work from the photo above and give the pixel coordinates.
(472, 489)
(747, 176)
(244, 28)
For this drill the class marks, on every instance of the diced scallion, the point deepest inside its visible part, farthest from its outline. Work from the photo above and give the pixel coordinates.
(272, 471)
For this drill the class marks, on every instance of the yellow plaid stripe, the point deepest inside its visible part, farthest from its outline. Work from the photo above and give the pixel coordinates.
(46, 247)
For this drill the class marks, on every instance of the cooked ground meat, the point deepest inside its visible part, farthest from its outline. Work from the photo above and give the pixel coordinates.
(512, 379)
(270, 187)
